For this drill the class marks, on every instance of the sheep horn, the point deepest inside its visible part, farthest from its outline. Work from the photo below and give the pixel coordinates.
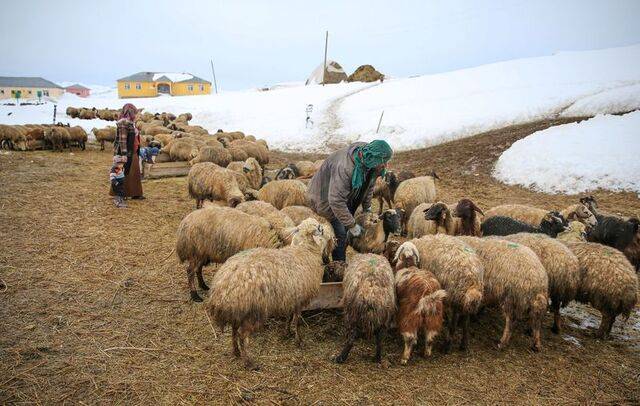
(476, 208)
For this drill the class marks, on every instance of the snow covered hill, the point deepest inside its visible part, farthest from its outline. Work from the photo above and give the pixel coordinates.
(598, 153)
(418, 111)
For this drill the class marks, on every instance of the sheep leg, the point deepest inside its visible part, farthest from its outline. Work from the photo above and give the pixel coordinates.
(198, 203)
(235, 342)
(201, 281)
(453, 324)
(557, 320)
(605, 325)
(464, 344)
(295, 326)
(429, 336)
(536, 326)
(101, 145)
(352, 335)
(379, 333)
(410, 340)
(244, 332)
(191, 273)
(506, 334)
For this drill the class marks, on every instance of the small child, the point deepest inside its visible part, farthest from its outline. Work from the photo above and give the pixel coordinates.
(149, 154)
(116, 176)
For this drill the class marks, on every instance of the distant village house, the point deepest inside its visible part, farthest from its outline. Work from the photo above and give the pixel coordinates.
(28, 88)
(78, 90)
(152, 84)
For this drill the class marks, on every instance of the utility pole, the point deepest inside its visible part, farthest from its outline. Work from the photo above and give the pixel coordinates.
(326, 43)
(379, 122)
(215, 84)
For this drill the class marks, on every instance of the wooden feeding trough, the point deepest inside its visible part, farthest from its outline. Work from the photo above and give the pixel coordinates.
(166, 169)
(329, 297)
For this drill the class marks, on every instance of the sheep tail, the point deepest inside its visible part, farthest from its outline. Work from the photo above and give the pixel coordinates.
(427, 305)
(170, 254)
(471, 301)
(540, 304)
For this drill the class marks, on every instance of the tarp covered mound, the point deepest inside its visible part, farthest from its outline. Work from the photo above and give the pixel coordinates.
(333, 74)
(365, 73)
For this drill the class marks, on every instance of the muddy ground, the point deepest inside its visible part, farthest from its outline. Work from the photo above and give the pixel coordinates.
(94, 308)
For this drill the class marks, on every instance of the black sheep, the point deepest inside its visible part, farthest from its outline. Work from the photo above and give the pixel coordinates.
(502, 225)
(391, 221)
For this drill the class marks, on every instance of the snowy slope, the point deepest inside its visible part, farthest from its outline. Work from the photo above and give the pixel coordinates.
(418, 111)
(434, 108)
(617, 100)
(598, 153)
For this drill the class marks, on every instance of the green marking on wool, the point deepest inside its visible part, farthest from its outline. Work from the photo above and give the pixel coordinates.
(513, 245)
(373, 261)
(470, 250)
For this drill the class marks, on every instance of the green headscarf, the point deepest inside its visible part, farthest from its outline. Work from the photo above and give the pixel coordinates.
(374, 153)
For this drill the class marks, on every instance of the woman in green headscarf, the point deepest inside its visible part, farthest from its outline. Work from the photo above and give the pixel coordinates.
(344, 182)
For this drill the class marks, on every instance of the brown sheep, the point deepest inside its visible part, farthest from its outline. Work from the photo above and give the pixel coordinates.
(412, 192)
(107, 134)
(208, 181)
(608, 282)
(459, 271)
(250, 169)
(420, 305)
(515, 280)
(562, 269)
(215, 234)
(282, 193)
(280, 222)
(369, 301)
(257, 284)
(217, 155)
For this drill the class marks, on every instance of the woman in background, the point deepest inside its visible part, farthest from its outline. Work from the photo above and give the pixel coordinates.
(127, 144)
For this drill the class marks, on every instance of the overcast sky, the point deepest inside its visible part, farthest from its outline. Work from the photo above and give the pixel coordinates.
(258, 43)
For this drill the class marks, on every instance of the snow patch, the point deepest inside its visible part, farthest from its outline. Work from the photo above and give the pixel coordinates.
(573, 158)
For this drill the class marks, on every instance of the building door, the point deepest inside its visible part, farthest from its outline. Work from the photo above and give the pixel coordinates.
(164, 88)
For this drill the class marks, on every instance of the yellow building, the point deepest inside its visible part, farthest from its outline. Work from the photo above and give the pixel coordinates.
(152, 84)
(27, 88)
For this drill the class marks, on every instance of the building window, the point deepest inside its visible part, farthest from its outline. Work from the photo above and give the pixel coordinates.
(45, 92)
(127, 86)
(190, 87)
(1, 91)
(202, 88)
(138, 86)
(29, 91)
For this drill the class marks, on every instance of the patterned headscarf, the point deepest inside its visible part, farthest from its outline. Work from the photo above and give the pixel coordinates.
(129, 112)
(374, 153)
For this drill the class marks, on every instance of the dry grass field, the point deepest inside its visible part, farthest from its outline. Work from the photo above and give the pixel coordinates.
(94, 308)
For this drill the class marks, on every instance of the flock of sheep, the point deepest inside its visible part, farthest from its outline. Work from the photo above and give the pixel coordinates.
(43, 136)
(273, 251)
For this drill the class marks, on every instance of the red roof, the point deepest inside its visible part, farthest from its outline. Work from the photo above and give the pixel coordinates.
(77, 86)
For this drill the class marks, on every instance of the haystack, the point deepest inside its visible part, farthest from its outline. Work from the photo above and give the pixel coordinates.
(333, 74)
(365, 73)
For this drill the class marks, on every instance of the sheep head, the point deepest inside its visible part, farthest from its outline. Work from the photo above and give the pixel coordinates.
(311, 233)
(583, 214)
(552, 224)
(407, 255)
(391, 221)
(438, 212)
(590, 202)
